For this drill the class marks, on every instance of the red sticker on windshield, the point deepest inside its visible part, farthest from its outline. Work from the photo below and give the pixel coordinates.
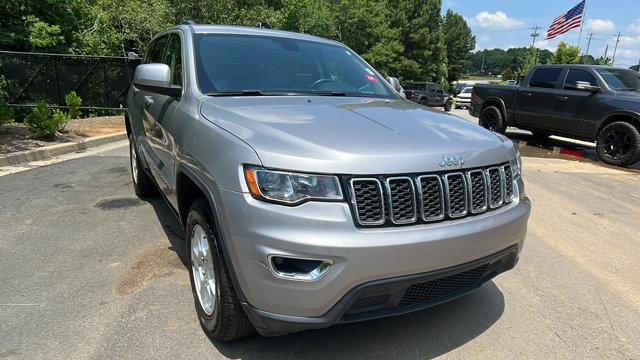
(372, 79)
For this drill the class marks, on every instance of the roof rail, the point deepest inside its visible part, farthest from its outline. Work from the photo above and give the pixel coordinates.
(186, 22)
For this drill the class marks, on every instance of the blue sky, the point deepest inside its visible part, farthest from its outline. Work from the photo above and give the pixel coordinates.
(507, 23)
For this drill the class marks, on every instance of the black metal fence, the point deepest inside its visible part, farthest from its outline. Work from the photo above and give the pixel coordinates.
(100, 81)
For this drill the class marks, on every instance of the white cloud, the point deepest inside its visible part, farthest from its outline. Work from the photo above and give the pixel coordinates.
(630, 40)
(547, 45)
(634, 26)
(600, 25)
(497, 20)
(628, 54)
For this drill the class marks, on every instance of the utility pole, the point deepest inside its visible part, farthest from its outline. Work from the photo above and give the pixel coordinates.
(534, 34)
(482, 66)
(606, 51)
(613, 59)
(588, 45)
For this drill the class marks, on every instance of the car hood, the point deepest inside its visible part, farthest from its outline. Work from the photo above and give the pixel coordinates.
(628, 95)
(464, 95)
(349, 135)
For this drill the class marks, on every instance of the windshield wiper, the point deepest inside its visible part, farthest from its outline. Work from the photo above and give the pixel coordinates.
(328, 93)
(247, 92)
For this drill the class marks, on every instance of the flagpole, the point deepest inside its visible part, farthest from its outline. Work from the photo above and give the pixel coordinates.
(584, 13)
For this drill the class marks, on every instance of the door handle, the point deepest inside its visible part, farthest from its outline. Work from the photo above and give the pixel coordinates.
(562, 98)
(148, 100)
(527, 94)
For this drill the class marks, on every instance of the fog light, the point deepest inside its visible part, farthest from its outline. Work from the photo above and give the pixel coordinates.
(297, 268)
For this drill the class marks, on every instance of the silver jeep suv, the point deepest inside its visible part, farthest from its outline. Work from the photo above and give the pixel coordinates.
(310, 192)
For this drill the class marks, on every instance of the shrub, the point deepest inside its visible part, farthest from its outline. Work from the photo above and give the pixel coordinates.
(6, 113)
(43, 122)
(74, 102)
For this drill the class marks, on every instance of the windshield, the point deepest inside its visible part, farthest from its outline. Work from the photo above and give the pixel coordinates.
(273, 65)
(466, 90)
(621, 79)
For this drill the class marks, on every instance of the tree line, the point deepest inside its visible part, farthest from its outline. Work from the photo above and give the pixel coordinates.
(409, 39)
(514, 63)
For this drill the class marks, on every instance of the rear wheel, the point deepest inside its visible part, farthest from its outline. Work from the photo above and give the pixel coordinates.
(619, 144)
(491, 119)
(142, 183)
(219, 311)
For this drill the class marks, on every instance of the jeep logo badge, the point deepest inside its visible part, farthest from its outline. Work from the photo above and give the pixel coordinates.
(451, 161)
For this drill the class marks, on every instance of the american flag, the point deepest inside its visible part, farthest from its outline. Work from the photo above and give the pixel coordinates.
(567, 21)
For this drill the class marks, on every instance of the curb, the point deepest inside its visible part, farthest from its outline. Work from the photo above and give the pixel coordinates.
(47, 152)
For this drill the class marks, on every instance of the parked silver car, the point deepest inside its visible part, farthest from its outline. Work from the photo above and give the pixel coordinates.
(310, 192)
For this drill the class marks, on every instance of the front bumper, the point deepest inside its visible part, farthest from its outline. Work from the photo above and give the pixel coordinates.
(394, 296)
(253, 230)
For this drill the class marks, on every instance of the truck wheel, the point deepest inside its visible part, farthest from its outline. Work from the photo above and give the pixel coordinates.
(142, 183)
(491, 118)
(217, 305)
(619, 144)
(447, 106)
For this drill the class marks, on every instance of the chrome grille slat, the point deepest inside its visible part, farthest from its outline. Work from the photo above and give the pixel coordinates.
(455, 186)
(366, 194)
(401, 200)
(477, 182)
(496, 187)
(508, 183)
(431, 197)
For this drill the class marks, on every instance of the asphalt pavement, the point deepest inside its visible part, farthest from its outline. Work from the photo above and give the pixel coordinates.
(89, 271)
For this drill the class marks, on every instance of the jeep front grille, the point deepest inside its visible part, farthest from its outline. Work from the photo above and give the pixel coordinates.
(411, 199)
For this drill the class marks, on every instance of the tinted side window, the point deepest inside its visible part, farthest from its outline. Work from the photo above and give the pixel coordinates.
(579, 77)
(545, 78)
(155, 56)
(173, 58)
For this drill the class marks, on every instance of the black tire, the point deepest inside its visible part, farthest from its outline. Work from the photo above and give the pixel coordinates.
(142, 184)
(228, 320)
(491, 119)
(423, 102)
(619, 144)
(540, 134)
(447, 106)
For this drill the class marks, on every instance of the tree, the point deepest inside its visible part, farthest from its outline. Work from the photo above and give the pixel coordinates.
(565, 54)
(528, 61)
(459, 42)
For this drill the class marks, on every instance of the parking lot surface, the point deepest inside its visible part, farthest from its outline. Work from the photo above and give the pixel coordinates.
(89, 271)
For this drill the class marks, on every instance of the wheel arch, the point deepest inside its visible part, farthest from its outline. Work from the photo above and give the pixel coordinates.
(627, 116)
(127, 123)
(189, 187)
(497, 102)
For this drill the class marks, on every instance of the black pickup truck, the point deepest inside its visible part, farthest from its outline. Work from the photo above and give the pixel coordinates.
(579, 101)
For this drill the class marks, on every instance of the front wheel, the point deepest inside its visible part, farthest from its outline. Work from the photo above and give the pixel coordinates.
(619, 144)
(447, 106)
(219, 311)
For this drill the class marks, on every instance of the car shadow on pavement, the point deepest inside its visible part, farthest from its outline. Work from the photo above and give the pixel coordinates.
(424, 334)
(171, 226)
(556, 148)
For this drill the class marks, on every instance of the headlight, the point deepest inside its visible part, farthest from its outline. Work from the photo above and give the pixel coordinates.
(291, 188)
(516, 164)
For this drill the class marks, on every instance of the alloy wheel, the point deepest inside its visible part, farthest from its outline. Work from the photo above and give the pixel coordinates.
(202, 269)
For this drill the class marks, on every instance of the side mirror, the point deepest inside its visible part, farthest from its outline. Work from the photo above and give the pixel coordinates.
(155, 78)
(586, 86)
(394, 82)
